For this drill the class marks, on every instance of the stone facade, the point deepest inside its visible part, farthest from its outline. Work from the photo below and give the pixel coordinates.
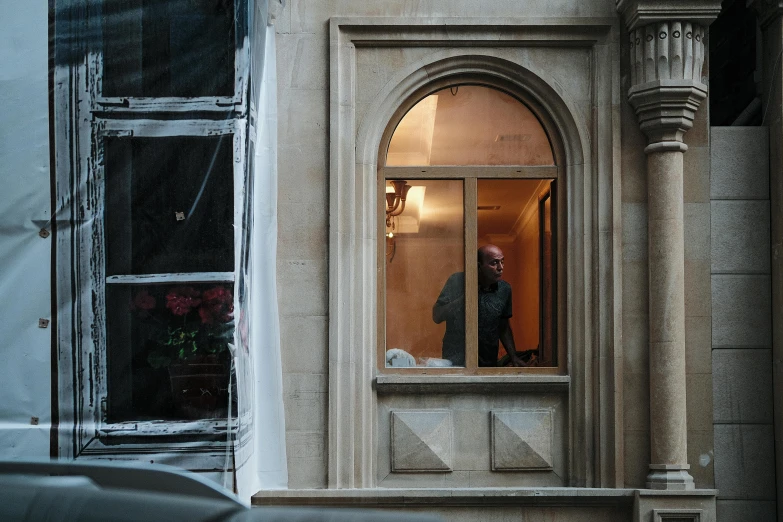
(671, 295)
(634, 410)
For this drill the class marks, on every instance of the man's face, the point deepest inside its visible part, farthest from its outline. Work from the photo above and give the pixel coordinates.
(490, 269)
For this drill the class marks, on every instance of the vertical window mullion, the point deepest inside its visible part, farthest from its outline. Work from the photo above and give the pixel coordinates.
(241, 52)
(471, 275)
(557, 248)
(381, 252)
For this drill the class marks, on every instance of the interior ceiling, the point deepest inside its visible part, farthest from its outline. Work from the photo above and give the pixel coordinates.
(442, 211)
(514, 196)
(469, 125)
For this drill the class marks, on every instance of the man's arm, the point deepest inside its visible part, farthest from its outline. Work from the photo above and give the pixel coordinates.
(442, 311)
(447, 304)
(507, 338)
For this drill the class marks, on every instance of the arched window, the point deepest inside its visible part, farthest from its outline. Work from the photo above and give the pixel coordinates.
(469, 125)
(468, 216)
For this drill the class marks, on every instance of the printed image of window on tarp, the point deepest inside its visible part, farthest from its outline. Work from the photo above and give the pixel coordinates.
(169, 262)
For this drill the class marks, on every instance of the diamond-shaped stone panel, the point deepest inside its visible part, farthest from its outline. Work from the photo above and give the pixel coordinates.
(421, 440)
(522, 440)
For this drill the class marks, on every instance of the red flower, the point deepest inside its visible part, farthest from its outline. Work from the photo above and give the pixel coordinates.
(217, 305)
(182, 300)
(143, 301)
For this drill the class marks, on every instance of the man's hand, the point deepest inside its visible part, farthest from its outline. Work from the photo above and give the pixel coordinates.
(516, 361)
(507, 338)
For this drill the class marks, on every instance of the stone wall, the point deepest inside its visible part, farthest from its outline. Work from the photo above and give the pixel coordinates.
(303, 216)
(303, 201)
(741, 324)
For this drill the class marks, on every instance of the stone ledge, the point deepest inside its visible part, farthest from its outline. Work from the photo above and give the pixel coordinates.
(638, 13)
(465, 497)
(483, 497)
(677, 493)
(387, 384)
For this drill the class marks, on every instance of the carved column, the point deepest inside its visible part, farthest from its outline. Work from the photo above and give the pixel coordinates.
(667, 54)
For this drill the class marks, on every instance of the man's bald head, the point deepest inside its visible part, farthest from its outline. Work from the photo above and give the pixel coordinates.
(490, 265)
(482, 251)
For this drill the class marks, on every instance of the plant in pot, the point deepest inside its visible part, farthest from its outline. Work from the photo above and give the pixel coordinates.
(188, 331)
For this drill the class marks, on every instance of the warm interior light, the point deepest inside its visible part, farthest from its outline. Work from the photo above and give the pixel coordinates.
(409, 220)
(404, 204)
(412, 140)
(469, 125)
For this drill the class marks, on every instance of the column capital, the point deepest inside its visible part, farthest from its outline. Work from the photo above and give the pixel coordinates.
(666, 83)
(638, 13)
(767, 10)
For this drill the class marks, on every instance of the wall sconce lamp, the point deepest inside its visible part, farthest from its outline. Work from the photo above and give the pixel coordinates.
(395, 201)
(395, 205)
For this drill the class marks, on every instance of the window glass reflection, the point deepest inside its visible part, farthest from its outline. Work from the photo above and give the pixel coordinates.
(424, 247)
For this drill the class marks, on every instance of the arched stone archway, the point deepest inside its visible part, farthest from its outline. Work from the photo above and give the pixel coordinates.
(562, 121)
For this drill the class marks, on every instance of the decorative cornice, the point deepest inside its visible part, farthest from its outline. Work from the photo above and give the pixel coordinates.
(767, 10)
(666, 67)
(667, 51)
(638, 13)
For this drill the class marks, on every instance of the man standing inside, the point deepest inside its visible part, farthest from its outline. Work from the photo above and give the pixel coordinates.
(494, 311)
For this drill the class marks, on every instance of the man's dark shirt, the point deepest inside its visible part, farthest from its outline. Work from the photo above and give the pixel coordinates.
(494, 305)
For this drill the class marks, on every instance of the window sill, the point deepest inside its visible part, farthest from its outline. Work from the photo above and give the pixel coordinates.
(453, 497)
(387, 384)
(208, 429)
(196, 444)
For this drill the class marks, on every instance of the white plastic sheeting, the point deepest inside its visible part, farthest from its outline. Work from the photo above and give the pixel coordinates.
(27, 327)
(267, 468)
(25, 271)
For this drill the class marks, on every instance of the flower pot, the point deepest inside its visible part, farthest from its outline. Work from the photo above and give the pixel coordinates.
(199, 388)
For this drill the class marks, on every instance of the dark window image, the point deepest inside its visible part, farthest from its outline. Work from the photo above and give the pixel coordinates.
(168, 48)
(169, 239)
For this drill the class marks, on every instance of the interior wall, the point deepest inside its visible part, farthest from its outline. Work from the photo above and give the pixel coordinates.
(526, 294)
(414, 279)
(522, 272)
(25, 256)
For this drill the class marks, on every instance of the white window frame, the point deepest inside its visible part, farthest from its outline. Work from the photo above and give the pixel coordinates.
(83, 118)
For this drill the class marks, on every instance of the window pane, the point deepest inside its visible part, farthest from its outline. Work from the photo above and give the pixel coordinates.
(425, 289)
(168, 48)
(169, 205)
(469, 125)
(508, 219)
(168, 352)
